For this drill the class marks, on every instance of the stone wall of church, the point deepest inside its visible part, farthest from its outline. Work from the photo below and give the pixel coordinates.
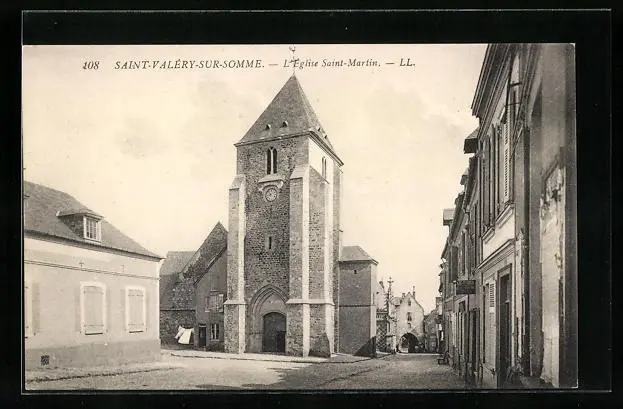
(316, 235)
(337, 247)
(264, 266)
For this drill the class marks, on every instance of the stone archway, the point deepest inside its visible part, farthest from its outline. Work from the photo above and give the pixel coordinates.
(267, 310)
(409, 343)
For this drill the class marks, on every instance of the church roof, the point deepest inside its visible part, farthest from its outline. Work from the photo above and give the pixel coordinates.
(355, 253)
(208, 252)
(175, 262)
(289, 113)
(186, 268)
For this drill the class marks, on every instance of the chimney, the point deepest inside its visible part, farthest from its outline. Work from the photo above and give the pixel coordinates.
(413, 291)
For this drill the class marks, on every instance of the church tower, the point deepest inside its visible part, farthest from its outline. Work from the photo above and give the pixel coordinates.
(284, 236)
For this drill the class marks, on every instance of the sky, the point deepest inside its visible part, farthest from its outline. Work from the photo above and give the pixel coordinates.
(152, 150)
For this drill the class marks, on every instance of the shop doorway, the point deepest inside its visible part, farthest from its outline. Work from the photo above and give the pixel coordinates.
(505, 329)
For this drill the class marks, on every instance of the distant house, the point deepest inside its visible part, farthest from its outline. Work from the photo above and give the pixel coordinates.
(357, 302)
(90, 292)
(430, 336)
(177, 303)
(196, 288)
(409, 316)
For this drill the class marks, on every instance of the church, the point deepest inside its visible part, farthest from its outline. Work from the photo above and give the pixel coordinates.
(284, 243)
(291, 287)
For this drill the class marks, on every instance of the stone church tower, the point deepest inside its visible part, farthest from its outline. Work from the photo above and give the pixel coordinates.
(284, 238)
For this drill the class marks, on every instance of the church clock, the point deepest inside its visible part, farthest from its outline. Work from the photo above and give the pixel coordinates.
(270, 194)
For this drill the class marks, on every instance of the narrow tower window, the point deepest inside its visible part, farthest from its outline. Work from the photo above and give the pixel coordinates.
(324, 167)
(269, 243)
(271, 161)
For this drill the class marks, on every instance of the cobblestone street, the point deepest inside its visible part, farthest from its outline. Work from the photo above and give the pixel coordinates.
(401, 371)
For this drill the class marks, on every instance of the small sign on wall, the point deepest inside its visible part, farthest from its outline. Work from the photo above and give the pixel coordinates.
(464, 287)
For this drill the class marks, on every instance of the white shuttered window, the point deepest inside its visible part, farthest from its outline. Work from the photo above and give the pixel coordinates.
(506, 171)
(27, 310)
(93, 311)
(136, 313)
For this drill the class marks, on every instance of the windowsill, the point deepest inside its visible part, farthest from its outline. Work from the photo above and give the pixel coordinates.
(93, 240)
(273, 177)
(505, 214)
(488, 233)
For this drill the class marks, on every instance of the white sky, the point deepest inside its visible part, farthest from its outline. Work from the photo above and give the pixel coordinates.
(152, 150)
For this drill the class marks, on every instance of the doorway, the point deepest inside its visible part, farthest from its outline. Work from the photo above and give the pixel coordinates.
(201, 342)
(505, 329)
(274, 335)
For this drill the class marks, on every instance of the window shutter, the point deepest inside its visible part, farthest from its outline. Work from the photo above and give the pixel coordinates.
(492, 297)
(146, 309)
(108, 310)
(78, 307)
(125, 306)
(220, 302)
(135, 303)
(27, 310)
(486, 205)
(507, 169)
(93, 309)
(36, 309)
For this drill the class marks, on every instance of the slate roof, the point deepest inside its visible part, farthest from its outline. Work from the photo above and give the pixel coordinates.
(470, 145)
(40, 217)
(292, 106)
(207, 253)
(177, 288)
(355, 253)
(175, 262)
(448, 215)
(171, 267)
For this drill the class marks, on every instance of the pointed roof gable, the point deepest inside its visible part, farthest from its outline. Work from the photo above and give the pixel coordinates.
(289, 113)
(210, 249)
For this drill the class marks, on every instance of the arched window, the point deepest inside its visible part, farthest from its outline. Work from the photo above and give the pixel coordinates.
(271, 161)
(324, 167)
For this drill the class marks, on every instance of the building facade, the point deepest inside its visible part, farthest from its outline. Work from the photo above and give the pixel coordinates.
(358, 302)
(409, 322)
(90, 292)
(196, 293)
(177, 296)
(519, 213)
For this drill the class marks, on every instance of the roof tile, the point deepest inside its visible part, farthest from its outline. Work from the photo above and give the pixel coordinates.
(43, 204)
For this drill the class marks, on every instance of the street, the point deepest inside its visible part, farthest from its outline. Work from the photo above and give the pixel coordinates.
(401, 371)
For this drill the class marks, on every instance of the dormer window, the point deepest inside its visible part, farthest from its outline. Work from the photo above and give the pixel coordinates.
(92, 229)
(284, 124)
(271, 161)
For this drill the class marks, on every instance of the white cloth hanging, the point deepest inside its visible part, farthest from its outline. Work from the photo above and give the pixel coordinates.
(185, 337)
(180, 331)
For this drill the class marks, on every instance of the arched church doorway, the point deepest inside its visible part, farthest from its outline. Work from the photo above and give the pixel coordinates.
(274, 334)
(409, 343)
